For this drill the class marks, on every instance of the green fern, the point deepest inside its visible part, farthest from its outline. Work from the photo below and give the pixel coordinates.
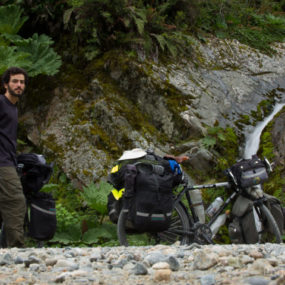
(139, 17)
(96, 196)
(161, 40)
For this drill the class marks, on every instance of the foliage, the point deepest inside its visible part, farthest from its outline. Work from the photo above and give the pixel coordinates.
(34, 54)
(144, 25)
(80, 213)
(152, 27)
(96, 196)
(275, 185)
(11, 19)
(224, 143)
(249, 22)
(101, 234)
(44, 16)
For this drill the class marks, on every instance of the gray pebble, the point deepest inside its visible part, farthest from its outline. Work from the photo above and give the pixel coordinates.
(173, 263)
(208, 280)
(6, 259)
(140, 269)
(256, 281)
(155, 257)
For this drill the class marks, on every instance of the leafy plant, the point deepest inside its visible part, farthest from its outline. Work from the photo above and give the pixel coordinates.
(145, 25)
(11, 19)
(223, 143)
(96, 196)
(100, 234)
(248, 21)
(34, 54)
(214, 135)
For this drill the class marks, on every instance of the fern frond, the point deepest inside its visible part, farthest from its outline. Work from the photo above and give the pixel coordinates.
(140, 25)
(141, 13)
(96, 196)
(161, 41)
(172, 48)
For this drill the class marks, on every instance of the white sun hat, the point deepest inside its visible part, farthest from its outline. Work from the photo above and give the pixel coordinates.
(133, 154)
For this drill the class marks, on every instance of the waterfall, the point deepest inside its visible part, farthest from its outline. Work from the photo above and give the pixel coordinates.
(253, 139)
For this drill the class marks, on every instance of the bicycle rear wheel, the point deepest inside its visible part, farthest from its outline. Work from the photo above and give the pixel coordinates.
(270, 231)
(177, 231)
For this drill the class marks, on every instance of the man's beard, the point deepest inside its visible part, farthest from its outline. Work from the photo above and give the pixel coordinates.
(15, 94)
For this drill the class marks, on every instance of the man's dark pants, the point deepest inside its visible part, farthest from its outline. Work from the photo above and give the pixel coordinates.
(12, 206)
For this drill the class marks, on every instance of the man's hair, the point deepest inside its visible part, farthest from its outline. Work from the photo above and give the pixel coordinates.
(13, 71)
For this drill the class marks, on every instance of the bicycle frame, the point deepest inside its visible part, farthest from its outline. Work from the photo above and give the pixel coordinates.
(188, 188)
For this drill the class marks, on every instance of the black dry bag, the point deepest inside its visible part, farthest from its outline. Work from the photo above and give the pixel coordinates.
(42, 224)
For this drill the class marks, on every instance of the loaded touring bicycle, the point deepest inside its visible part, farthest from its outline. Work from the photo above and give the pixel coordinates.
(255, 217)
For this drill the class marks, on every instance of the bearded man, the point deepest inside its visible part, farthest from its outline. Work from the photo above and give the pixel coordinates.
(12, 199)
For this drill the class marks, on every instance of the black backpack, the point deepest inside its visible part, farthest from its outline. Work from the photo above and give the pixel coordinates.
(148, 184)
(42, 220)
(34, 171)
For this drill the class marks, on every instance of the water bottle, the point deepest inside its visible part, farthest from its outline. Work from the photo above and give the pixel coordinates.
(196, 198)
(215, 206)
(221, 219)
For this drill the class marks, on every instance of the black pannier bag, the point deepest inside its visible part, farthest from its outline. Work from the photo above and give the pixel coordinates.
(235, 231)
(42, 221)
(152, 203)
(34, 171)
(242, 228)
(148, 183)
(250, 172)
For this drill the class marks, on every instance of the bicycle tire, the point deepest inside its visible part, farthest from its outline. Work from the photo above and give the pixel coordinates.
(179, 221)
(268, 222)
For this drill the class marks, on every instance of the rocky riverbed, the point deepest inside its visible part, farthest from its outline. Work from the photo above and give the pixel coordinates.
(192, 264)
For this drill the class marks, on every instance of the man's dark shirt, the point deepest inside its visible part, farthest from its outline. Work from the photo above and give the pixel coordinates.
(8, 132)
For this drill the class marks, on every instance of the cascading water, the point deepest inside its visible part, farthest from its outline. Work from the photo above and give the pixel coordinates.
(253, 139)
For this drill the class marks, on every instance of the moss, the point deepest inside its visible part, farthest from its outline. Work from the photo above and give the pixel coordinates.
(50, 143)
(276, 184)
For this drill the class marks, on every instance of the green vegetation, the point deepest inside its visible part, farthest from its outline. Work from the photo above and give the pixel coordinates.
(171, 26)
(33, 53)
(275, 185)
(81, 214)
(224, 144)
(255, 23)
(89, 28)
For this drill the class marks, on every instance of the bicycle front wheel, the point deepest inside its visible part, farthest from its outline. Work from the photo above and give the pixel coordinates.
(177, 231)
(270, 231)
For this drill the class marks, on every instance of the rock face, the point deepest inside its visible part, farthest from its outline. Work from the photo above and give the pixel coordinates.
(128, 103)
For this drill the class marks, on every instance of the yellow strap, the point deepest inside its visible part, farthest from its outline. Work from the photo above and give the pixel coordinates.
(115, 168)
(118, 193)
